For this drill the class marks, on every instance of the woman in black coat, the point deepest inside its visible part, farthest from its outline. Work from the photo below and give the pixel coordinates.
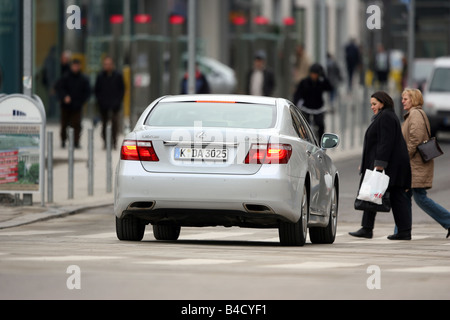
(385, 149)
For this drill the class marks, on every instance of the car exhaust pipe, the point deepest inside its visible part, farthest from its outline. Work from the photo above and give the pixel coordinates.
(138, 206)
(257, 208)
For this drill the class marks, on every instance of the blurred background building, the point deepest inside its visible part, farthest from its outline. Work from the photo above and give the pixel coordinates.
(148, 40)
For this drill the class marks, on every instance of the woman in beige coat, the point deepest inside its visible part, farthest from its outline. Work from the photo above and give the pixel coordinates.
(416, 130)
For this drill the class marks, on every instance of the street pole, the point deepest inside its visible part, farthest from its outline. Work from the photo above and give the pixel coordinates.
(28, 47)
(411, 41)
(192, 45)
(27, 81)
(323, 33)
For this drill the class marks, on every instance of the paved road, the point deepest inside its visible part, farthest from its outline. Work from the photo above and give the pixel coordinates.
(44, 260)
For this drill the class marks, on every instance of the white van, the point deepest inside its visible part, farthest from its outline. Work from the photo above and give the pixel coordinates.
(437, 96)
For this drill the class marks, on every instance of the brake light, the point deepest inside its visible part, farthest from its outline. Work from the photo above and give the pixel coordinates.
(138, 151)
(269, 154)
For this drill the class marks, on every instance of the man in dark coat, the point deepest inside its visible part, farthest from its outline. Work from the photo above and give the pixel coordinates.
(353, 60)
(260, 80)
(309, 97)
(109, 91)
(385, 149)
(73, 91)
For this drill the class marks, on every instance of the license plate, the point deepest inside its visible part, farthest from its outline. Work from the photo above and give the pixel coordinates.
(201, 154)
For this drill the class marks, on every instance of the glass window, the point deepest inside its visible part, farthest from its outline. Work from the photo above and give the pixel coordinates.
(441, 80)
(300, 126)
(220, 115)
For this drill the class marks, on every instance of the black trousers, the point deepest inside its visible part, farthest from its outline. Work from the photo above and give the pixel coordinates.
(401, 209)
(110, 116)
(71, 118)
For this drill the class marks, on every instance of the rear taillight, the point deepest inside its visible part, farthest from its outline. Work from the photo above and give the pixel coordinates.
(138, 151)
(269, 154)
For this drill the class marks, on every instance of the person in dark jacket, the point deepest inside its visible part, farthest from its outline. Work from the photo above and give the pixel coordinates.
(260, 80)
(309, 97)
(109, 91)
(73, 91)
(385, 149)
(201, 83)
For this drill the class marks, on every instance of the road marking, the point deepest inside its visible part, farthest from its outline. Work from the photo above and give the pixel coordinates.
(429, 269)
(214, 235)
(313, 265)
(191, 262)
(30, 233)
(96, 236)
(64, 258)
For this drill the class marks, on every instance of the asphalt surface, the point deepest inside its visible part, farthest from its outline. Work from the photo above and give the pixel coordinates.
(79, 257)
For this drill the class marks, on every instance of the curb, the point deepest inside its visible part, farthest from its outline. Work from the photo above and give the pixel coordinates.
(52, 213)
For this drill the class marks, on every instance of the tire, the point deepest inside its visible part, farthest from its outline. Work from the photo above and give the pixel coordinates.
(166, 232)
(294, 234)
(327, 235)
(130, 229)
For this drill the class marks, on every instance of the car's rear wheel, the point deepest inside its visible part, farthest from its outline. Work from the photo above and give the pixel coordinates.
(327, 235)
(294, 234)
(130, 228)
(166, 232)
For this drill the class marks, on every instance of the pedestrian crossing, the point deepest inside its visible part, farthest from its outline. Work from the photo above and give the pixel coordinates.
(219, 234)
(235, 254)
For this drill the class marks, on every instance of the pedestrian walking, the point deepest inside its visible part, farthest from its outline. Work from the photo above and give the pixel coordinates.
(334, 75)
(385, 149)
(352, 58)
(309, 97)
(382, 67)
(416, 128)
(73, 91)
(302, 65)
(109, 91)
(260, 80)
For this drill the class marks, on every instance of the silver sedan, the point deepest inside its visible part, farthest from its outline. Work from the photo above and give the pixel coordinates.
(226, 160)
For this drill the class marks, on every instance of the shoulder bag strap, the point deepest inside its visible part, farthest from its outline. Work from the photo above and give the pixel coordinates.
(424, 120)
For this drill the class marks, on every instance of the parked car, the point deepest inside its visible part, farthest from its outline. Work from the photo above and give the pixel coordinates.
(221, 78)
(437, 96)
(226, 160)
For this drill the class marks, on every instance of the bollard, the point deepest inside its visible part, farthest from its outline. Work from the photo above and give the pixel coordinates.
(109, 159)
(91, 162)
(71, 162)
(50, 167)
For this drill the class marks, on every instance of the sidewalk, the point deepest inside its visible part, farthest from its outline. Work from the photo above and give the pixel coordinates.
(12, 216)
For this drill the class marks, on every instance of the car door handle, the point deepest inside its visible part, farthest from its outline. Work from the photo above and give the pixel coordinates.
(308, 153)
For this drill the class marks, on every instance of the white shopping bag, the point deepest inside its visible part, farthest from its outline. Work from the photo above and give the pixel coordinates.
(374, 186)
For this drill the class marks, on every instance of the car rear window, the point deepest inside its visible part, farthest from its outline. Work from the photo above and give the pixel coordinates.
(217, 115)
(441, 80)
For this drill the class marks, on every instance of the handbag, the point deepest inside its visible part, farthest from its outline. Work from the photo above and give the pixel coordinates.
(430, 148)
(385, 206)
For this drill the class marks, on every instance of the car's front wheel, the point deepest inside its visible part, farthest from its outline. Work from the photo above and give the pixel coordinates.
(130, 228)
(294, 234)
(166, 232)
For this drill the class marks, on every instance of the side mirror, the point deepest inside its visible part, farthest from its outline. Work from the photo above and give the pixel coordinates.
(330, 141)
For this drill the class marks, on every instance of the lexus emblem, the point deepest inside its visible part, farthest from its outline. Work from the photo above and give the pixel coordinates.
(201, 135)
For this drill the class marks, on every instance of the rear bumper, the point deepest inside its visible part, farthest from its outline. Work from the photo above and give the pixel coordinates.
(262, 198)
